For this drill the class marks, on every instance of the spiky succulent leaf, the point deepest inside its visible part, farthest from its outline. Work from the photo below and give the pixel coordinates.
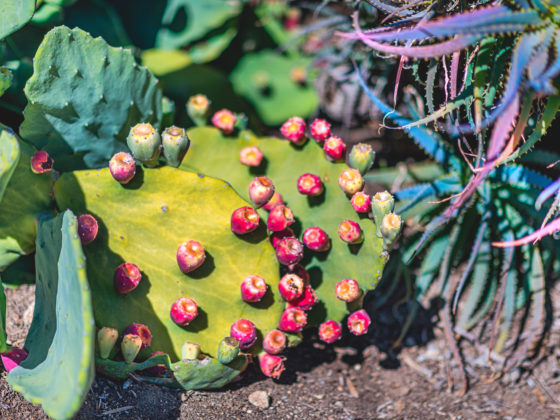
(15, 14)
(179, 206)
(284, 164)
(207, 373)
(26, 197)
(59, 369)
(83, 98)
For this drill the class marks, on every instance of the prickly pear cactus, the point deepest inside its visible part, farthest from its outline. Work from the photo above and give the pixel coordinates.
(24, 195)
(217, 155)
(58, 371)
(83, 98)
(143, 223)
(15, 14)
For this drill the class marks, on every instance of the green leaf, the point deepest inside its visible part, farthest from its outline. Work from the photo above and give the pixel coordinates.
(144, 223)
(218, 156)
(15, 14)
(6, 78)
(59, 369)
(83, 98)
(9, 156)
(279, 97)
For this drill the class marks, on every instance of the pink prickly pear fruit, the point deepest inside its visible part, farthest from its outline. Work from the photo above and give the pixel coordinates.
(310, 184)
(13, 358)
(190, 256)
(271, 365)
(292, 18)
(130, 347)
(279, 218)
(316, 239)
(41, 162)
(87, 228)
(190, 351)
(183, 311)
(224, 120)
(361, 202)
(358, 322)
(251, 156)
(294, 130)
(350, 232)
(245, 332)
(275, 237)
(292, 320)
(261, 190)
(320, 130)
(253, 288)
(122, 167)
(159, 369)
(274, 342)
(244, 220)
(106, 340)
(348, 290)
(291, 287)
(275, 200)
(141, 331)
(299, 270)
(330, 331)
(307, 300)
(289, 251)
(126, 278)
(197, 109)
(335, 149)
(351, 181)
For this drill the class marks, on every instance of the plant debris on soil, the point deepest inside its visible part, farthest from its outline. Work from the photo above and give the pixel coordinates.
(352, 380)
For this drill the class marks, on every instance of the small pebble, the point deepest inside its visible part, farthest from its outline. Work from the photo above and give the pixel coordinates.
(260, 399)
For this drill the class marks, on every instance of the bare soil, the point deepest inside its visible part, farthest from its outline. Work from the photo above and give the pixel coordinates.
(357, 379)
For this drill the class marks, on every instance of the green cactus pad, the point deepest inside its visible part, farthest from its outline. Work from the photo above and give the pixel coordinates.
(26, 197)
(144, 223)
(83, 98)
(6, 78)
(208, 372)
(218, 156)
(15, 14)
(59, 369)
(282, 97)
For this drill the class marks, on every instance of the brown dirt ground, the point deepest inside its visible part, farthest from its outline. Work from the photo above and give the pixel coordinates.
(354, 380)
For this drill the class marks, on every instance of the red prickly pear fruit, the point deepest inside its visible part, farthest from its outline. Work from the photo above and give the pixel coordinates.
(141, 331)
(348, 290)
(275, 200)
(87, 228)
(261, 190)
(310, 184)
(279, 218)
(122, 167)
(13, 358)
(294, 130)
(274, 342)
(330, 331)
(126, 278)
(289, 251)
(271, 365)
(190, 256)
(358, 322)
(299, 270)
(244, 220)
(320, 130)
(361, 202)
(351, 181)
(183, 311)
(251, 156)
(292, 19)
(245, 332)
(106, 339)
(350, 232)
(307, 300)
(224, 120)
(335, 149)
(253, 288)
(291, 287)
(275, 237)
(292, 320)
(130, 347)
(157, 370)
(316, 239)
(41, 162)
